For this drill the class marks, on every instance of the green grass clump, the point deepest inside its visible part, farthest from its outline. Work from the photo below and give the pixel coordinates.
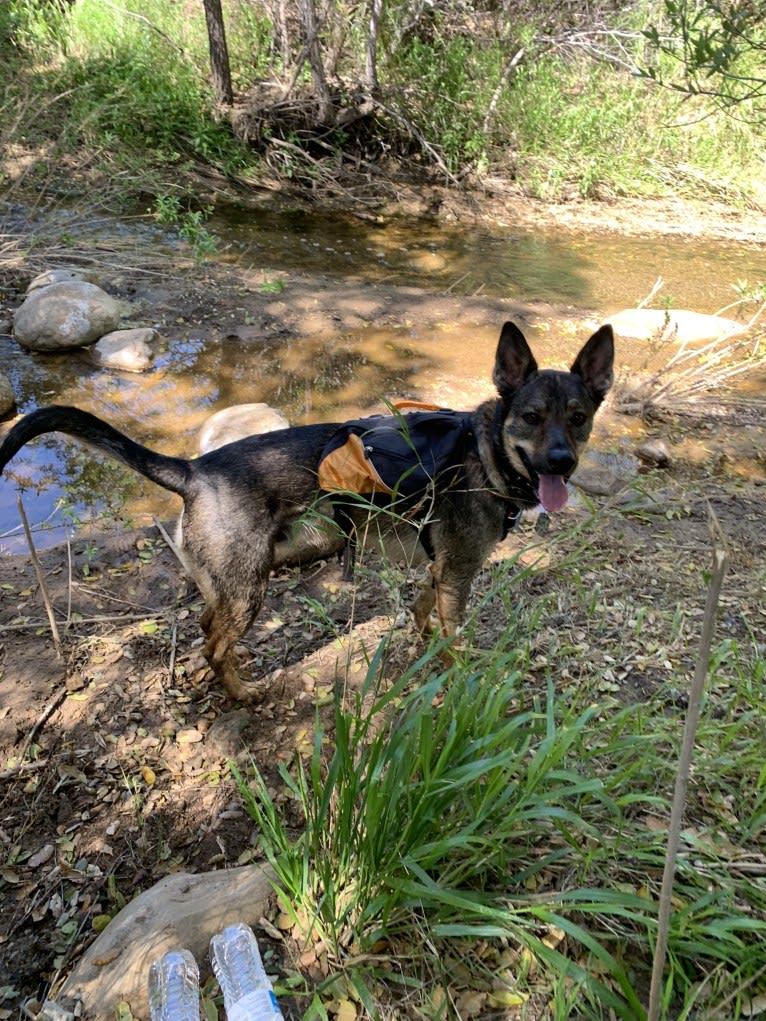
(435, 807)
(105, 87)
(471, 832)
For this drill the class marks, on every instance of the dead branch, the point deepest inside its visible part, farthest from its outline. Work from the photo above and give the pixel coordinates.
(720, 563)
(41, 580)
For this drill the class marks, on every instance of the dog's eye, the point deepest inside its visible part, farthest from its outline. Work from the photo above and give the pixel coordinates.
(532, 418)
(578, 418)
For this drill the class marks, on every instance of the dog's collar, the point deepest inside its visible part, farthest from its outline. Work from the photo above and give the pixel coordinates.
(518, 489)
(511, 519)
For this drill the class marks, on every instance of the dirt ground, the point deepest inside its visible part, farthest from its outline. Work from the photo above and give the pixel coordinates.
(113, 749)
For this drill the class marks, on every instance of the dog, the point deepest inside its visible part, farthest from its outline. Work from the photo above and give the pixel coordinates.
(243, 501)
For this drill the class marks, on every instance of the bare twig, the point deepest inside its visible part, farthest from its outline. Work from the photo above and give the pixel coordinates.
(22, 767)
(69, 581)
(514, 61)
(459, 280)
(173, 644)
(750, 982)
(120, 618)
(40, 580)
(422, 141)
(720, 561)
(656, 286)
(44, 716)
(168, 539)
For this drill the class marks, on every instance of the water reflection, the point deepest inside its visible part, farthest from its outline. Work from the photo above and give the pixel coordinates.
(604, 272)
(530, 267)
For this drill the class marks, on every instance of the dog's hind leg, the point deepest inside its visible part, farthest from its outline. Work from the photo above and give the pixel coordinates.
(225, 622)
(229, 554)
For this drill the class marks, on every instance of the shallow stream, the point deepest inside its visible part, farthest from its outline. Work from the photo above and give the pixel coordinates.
(338, 375)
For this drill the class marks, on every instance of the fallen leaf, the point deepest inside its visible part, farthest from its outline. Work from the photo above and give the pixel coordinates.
(42, 856)
(346, 1011)
(101, 962)
(471, 1002)
(190, 736)
(506, 998)
(754, 1007)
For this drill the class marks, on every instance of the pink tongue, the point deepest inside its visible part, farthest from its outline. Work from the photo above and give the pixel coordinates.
(552, 492)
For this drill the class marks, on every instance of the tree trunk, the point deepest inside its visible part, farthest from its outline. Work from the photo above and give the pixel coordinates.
(219, 53)
(371, 67)
(314, 54)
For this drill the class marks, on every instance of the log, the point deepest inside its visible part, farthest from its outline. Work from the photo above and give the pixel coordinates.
(182, 910)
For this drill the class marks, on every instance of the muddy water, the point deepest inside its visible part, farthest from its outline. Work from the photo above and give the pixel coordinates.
(601, 272)
(344, 374)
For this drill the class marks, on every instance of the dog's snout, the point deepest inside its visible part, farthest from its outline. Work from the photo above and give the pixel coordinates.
(561, 460)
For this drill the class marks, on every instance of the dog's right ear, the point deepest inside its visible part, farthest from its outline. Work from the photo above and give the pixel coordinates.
(514, 361)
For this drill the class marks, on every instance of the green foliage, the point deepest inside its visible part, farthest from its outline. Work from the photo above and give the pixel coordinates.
(129, 88)
(714, 49)
(578, 124)
(32, 29)
(449, 83)
(432, 817)
(133, 87)
(455, 810)
(190, 223)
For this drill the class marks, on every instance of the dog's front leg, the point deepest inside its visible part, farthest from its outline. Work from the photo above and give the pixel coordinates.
(448, 593)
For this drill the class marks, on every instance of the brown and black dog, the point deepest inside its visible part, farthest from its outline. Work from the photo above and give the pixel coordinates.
(243, 500)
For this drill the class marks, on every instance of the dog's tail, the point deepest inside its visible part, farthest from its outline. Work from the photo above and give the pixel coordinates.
(171, 473)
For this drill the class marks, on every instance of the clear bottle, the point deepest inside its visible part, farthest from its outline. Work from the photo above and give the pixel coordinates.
(247, 991)
(174, 987)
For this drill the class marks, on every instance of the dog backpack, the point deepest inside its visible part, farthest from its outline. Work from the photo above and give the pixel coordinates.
(398, 454)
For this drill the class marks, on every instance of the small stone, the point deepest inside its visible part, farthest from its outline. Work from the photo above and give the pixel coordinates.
(7, 396)
(129, 350)
(654, 452)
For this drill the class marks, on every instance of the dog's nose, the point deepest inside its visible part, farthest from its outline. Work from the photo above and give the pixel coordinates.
(561, 460)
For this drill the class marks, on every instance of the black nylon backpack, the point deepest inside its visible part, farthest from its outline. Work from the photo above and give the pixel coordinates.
(397, 454)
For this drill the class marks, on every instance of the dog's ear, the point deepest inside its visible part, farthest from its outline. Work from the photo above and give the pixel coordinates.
(513, 362)
(595, 362)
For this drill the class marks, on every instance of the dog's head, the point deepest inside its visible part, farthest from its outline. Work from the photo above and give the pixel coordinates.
(548, 415)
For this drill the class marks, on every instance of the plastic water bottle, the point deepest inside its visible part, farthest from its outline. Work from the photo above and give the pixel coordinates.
(174, 987)
(247, 992)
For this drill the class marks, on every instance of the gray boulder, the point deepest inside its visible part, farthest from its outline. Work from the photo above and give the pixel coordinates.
(58, 276)
(65, 315)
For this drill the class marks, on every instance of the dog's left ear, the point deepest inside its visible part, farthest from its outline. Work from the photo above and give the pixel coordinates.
(514, 360)
(594, 364)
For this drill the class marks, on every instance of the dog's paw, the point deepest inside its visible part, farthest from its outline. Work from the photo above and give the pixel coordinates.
(454, 653)
(242, 691)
